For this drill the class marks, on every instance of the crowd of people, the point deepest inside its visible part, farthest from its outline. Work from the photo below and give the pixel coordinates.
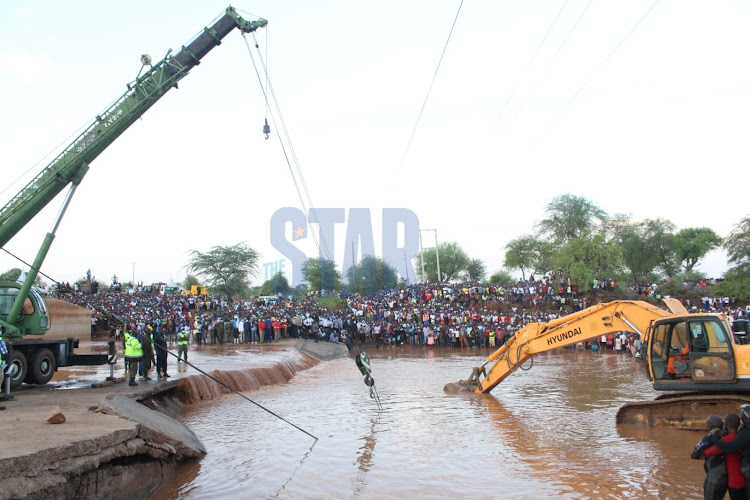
(446, 315)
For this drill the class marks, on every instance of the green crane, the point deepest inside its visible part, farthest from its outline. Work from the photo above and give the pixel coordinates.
(22, 310)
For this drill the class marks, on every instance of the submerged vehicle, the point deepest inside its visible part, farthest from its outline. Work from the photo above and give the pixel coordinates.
(694, 356)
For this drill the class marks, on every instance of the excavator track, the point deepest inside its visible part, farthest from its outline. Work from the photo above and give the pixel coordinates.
(684, 410)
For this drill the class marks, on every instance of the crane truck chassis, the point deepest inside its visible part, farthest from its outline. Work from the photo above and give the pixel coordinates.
(23, 310)
(694, 355)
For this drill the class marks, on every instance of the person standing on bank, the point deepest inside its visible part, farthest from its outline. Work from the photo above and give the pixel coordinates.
(182, 345)
(133, 355)
(160, 343)
(146, 337)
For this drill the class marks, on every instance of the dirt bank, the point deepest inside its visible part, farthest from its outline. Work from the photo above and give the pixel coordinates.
(117, 441)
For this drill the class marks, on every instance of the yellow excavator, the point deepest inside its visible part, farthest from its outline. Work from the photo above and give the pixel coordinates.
(696, 356)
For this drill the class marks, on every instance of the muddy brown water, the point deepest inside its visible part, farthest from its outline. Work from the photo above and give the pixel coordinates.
(546, 432)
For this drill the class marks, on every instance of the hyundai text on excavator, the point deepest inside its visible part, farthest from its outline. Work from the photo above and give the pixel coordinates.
(23, 310)
(695, 354)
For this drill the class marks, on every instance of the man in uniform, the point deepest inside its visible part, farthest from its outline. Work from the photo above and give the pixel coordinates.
(182, 345)
(133, 354)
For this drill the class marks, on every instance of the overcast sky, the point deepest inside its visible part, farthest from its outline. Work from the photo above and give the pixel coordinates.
(640, 106)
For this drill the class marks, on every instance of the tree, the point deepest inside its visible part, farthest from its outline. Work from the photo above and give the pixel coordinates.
(11, 274)
(693, 243)
(321, 274)
(528, 253)
(570, 216)
(278, 284)
(189, 281)
(585, 259)
(645, 246)
(501, 277)
(737, 245)
(659, 236)
(475, 270)
(226, 269)
(371, 274)
(453, 261)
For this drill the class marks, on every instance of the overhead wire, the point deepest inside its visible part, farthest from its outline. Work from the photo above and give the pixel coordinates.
(320, 243)
(554, 57)
(434, 76)
(612, 53)
(533, 58)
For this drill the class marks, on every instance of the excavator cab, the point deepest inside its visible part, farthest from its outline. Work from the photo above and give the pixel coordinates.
(691, 353)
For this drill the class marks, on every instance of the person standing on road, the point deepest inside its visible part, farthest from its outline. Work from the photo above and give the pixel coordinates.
(182, 345)
(133, 355)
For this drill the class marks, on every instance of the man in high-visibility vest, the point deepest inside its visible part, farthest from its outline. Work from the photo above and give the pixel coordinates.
(182, 345)
(133, 355)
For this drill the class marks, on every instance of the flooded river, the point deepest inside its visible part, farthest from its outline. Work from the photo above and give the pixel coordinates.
(546, 432)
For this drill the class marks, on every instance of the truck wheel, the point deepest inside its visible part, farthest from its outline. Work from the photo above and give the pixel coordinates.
(43, 366)
(18, 368)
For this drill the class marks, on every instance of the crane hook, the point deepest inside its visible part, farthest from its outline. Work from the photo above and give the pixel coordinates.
(266, 129)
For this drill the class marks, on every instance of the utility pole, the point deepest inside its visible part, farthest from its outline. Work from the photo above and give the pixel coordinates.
(437, 255)
(406, 268)
(437, 252)
(421, 256)
(354, 270)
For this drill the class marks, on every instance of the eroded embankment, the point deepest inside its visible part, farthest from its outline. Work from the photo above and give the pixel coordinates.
(128, 444)
(195, 388)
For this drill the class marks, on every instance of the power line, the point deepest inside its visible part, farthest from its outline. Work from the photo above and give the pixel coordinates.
(611, 54)
(430, 88)
(533, 58)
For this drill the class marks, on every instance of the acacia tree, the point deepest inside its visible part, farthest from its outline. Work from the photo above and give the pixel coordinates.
(529, 253)
(453, 261)
(372, 274)
(569, 216)
(321, 274)
(501, 277)
(476, 270)
(226, 269)
(278, 284)
(693, 243)
(590, 257)
(737, 245)
(189, 281)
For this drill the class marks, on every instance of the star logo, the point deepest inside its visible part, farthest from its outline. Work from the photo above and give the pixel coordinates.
(299, 233)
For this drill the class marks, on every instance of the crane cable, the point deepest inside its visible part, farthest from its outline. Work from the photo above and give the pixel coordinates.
(322, 245)
(123, 322)
(419, 117)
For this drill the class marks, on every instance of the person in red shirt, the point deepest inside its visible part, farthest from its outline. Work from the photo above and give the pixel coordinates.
(736, 480)
(276, 329)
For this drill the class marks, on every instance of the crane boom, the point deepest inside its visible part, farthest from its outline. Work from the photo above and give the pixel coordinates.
(23, 311)
(71, 165)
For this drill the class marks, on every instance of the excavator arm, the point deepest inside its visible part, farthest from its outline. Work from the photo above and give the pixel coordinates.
(534, 338)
